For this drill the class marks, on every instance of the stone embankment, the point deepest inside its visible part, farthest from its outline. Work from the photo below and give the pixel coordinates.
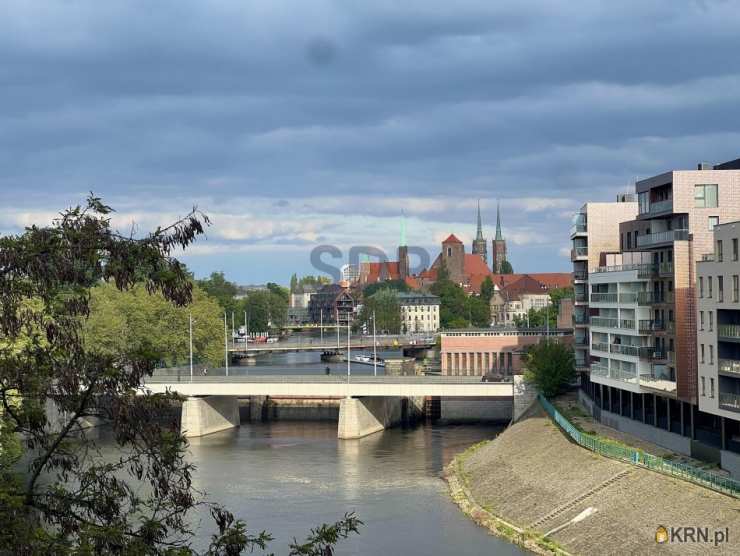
(531, 479)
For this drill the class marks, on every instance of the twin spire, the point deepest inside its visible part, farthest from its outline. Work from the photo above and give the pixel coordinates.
(479, 233)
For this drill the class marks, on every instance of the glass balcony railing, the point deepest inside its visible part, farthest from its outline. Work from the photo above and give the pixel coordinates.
(632, 351)
(729, 366)
(731, 331)
(643, 270)
(660, 207)
(658, 381)
(581, 275)
(604, 322)
(599, 346)
(578, 252)
(729, 401)
(581, 296)
(599, 370)
(578, 228)
(669, 236)
(603, 297)
(581, 319)
(581, 341)
(648, 326)
(628, 297)
(665, 269)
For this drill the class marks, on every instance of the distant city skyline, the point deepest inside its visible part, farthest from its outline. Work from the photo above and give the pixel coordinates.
(297, 127)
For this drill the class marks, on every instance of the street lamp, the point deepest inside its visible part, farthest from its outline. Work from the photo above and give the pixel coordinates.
(375, 352)
(226, 344)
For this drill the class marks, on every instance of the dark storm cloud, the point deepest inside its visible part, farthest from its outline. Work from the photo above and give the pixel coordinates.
(223, 100)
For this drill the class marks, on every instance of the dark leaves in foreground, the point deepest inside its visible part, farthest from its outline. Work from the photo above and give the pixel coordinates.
(64, 496)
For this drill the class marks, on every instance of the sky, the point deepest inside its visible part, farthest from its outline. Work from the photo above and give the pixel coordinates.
(305, 123)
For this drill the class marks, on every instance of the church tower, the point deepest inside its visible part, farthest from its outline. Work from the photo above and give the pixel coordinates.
(403, 252)
(479, 243)
(498, 251)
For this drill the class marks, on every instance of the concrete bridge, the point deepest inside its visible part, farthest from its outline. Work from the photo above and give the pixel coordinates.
(368, 404)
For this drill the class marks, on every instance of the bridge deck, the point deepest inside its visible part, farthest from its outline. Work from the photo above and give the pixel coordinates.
(330, 386)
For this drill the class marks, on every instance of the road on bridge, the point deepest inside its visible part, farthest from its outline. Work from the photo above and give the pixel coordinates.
(331, 344)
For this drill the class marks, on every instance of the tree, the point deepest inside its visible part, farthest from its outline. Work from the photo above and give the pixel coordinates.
(294, 283)
(395, 285)
(550, 366)
(218, 287)
(136, 320)
(454, 309)
(487, 289)
(68, 498)
(479, 311)
(265, 310)
(280, 291)
(387, 309)
(506, 267)
(538, 318)
(556, 294)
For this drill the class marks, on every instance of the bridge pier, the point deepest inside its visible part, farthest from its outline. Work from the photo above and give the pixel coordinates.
(209, 414)
(360, 417)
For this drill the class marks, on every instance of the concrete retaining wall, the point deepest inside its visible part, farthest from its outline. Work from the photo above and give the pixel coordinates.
(360, 417)
(201, 416)
(466, 410)
(730, 462)
(669, 440)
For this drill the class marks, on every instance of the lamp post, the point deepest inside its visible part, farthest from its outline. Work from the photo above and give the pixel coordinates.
(321, 325)
(190, 319)
(349, 372)
(375, 352)
(226, 344)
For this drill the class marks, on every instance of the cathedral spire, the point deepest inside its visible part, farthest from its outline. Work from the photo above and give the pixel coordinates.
(499, 236)
(479, 233)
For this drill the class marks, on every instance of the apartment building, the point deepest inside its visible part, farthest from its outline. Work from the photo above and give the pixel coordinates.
(419, 312)
(718, 334)
(595, 232)
(644, 309)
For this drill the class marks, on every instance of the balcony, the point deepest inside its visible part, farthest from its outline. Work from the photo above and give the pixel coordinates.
(661, 355)
(599, 369)
(643, 270)
(578, 253)
(632, 351)
(658, 382)
(604, 322)
(598, 346)
(707, 258)
(729, 401)
(603, 297)
(665, 270)
(731, 366)
(578, 228)
(581, 319)
(728, 332)
(659, 238)
(580, 297)
(659, 207)
(647, 297)
(581, 342)
(580, 275)
(649, 326)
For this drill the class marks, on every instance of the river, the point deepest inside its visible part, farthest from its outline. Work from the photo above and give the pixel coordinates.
(287, 477)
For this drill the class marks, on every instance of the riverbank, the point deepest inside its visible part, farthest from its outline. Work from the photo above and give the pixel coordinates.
(532, 479)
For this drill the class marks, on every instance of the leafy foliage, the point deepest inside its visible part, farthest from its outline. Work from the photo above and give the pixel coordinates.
(538, 318)
(550, 366)
(135, 321)
(487, 289)
(458, 310)
(384, 303)
(68, 498)
(218, 287)
(395, 285)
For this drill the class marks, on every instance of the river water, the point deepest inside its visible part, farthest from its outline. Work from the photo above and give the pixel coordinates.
(287, 477)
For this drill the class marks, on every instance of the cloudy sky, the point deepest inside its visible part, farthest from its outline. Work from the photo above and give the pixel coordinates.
(301, 123)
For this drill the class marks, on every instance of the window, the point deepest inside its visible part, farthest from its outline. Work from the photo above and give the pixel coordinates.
(449, 251)
(701, 320)
(629, 240)
(702, 353)
(735, 288)
(701, 286)
(711, 387)
(720, 288)
(705, 195)
(709, 284)
(712, 221)
(719, 250)
(711, 320)
(703, 387)
(711, 354)
(643, 202)
(734, 249)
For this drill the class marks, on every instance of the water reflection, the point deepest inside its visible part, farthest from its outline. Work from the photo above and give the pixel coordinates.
(289, 476)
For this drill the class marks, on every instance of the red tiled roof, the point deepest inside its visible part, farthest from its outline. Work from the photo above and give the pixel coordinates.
(412, 283)
(554, 279)
(473, 264)
(382, 271)
(452, 239)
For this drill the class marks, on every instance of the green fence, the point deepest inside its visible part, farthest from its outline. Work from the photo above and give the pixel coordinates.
(636, 457)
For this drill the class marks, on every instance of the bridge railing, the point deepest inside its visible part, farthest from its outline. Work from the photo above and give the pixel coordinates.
(319, 379)
(329, 342)
(626, 454)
